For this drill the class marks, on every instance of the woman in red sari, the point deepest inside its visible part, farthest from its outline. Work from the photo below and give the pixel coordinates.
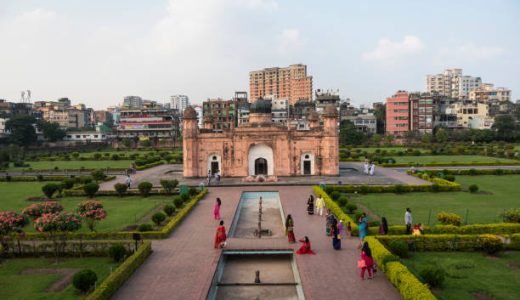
(289, 229)
(306, 247)
(220, 236)
(216, 209)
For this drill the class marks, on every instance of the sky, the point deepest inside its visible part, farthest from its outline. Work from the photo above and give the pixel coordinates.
(97, 52)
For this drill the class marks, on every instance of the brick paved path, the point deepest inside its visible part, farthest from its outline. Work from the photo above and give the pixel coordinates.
(182, 266)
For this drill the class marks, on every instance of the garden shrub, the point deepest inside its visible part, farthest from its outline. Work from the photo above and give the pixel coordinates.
(490, 243)
(178, 201)
(192, 191)
(85, 179)
(169, 210)
(511, 215)
(117, 252)
(68, 183)
(364, 189)
(84, 280)
(39, 177)
(158, 218)
(49, 189)
(472, 172)
(436, 188)
(169, 185)
(145, 227)
(98, 175)
(433, 275)
(446, 218)
(115, 157)
(399, 189)
(144, 188)
(342, 201)
(335, 195)
(399, 248)
(450, 178)
(120, 188)
(351, 208)
(185, 197)
(97, 156)
(91, 189)
(473, 188)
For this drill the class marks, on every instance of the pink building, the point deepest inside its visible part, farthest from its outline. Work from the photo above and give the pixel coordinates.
(397, 114)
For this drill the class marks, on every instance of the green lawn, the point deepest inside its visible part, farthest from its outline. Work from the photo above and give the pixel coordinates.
(449, 159)
(471, 274)
(126, 153)
(388, 149)
(76, 164)
(14, 285)
(121, 212)
(497, 193)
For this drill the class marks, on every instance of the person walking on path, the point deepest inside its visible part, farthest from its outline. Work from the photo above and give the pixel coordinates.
(310, 205)
(289, 229)
(128, 181)
(320, 204)
(217, 177)
(366, 262)
(328, 223)
(362, 228)
(209, 177)
(365, 167)
(408, 220)
(383, 228)
(372, 168)
(305, 247)
(216, 209)
(341, 229)
(220, 236)
(349, 230)
(336, 239)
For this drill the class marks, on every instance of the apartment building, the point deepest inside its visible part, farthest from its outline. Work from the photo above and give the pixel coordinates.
(147, 123)
(291, 83)
(471, 115)
(452, 83)
(364, 122)
(486, 92)
(130, 102)
(422, 112)
(397, 114)
(222, 113)
(179, 102)
(324, 98)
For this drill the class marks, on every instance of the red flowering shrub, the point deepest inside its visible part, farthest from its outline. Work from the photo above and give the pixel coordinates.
(51, 207)
(35, 210)
(11, 221)
(92, 211)
(58, 222)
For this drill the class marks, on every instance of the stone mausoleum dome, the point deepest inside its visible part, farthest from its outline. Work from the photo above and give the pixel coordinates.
(189, 113)
(313, 116)
(260, 106)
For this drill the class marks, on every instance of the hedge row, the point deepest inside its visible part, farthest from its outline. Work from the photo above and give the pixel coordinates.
(34, 178)
(132, 192)
(74, 248)
(473, 172)
(499, 228)
(335, 209)
(150, 165)
(450, 242)
(442, 186)
(117, 278)
(408, 285)
(454, 163)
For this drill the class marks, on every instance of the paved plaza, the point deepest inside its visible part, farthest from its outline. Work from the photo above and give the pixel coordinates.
(182, 266)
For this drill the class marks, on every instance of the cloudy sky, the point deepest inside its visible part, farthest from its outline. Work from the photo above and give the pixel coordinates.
(96, 52)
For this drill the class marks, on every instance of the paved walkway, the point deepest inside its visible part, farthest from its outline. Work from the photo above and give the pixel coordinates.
(182, 266)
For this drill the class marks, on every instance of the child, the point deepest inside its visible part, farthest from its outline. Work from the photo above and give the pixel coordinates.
(349, 230)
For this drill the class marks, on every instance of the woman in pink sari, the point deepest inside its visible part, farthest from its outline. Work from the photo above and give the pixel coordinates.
(216, 209)
(306, 247)
(220, 236)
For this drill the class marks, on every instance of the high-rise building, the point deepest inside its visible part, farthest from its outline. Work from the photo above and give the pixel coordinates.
(486, 92)
(133, 102)
(452, 83)
(397, 119)
(221, 113)
(422, 112)
(179, 102)
(291, 83)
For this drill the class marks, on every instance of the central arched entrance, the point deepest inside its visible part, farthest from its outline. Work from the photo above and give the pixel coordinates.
(260, 160)
(260, 166)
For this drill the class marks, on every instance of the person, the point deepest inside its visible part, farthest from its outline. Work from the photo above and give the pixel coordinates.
(217, 177)
(305, 248)
(365, 167)
(289, 229)
(364, 219)
(412, 170)
(220, 236)
(133, 168)
(383, 228)
(372, 168)
(417, 229)
(362, 228)
(310, 205)
(209, 177)
(341, 229)
(128, 181)
(320, 204)
(336, 239)
(366, 262)
(408, 220)
(349, 230)
(328, 223)
(216, 209)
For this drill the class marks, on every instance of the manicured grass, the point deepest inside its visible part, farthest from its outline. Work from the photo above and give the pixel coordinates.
(13, 285)
(121, 212)
(497, 193)
(388, 149)
(75, 164)
(450, 159)
(127, 153)
(469, 274)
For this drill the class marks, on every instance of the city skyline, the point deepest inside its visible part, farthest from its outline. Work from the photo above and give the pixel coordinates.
(98, 53)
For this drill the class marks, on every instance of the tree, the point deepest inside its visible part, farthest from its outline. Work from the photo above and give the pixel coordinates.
(505, 128)
(54, 223)
(51, 131)
(441, 135)
(92, 211)
(426, 138)
(349, 135)
(389, 139)
(380, 114)
(21, 130)
(376, 139)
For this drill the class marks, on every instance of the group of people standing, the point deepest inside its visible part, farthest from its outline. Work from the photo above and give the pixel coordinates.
(369, 168)
(210, 176)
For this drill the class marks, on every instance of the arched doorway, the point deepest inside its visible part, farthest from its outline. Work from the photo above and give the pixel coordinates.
(260, 158)
(260, 166)
(307, 164)
(214, 162)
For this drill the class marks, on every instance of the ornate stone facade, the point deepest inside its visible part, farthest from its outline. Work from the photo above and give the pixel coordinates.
(261, 147)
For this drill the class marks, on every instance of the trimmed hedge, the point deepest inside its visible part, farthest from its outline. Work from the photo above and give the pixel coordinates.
(443, 186)
(335, 209)
(117, 278)
(150, 165)
(431, 164)
(499, 228)
(473, 172)
(408, 285)
(35, 178)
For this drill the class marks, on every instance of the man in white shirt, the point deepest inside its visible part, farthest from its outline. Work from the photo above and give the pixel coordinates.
(408, 220)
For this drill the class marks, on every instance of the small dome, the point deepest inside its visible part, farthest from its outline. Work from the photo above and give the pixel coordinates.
(330, 111)
(313, 116)
(189, 113)
(261, 106)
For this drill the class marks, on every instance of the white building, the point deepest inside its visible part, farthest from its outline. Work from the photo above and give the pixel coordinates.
(133, 102)
(179, 102)
(199, 111)
(86, 136)
(452, 83)
(2, 126)
(471, 115)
